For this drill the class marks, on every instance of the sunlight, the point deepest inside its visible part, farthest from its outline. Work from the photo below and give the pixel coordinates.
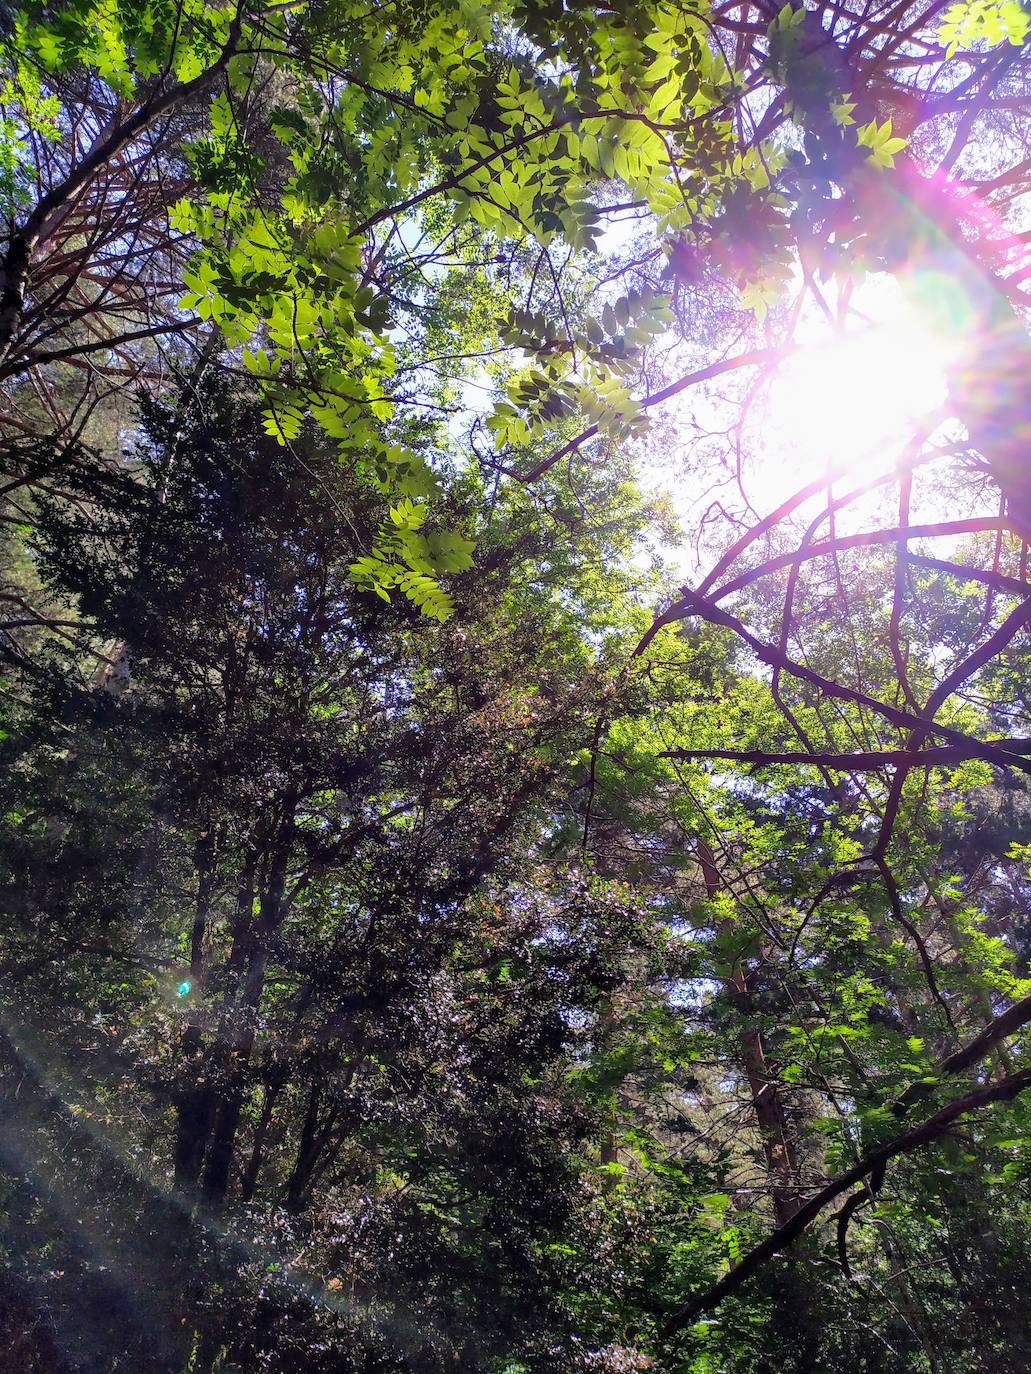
(853, 399)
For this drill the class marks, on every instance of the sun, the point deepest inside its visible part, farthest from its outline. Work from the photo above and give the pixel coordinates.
(844, 402)
(853, 398)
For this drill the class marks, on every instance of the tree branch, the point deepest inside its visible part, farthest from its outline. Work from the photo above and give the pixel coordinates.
(867, 761)
(755, 358)
(693, 603)
(15, 267)
(925, 1134)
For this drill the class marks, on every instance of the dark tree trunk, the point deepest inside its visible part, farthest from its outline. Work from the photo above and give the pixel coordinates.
(308, 1148)
(194, 1094)
(249, 1184)
(250, 954)
(771, 1116)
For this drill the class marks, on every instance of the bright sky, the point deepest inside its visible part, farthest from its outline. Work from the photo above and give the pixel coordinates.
(848, 399)
(853, 398)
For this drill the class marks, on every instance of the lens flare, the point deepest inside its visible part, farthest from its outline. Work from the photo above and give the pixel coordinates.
(853, 399)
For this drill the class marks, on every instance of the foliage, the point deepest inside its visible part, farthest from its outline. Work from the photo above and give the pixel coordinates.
(431, 936)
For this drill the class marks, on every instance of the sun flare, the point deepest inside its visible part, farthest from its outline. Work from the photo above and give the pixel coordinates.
(854, 399)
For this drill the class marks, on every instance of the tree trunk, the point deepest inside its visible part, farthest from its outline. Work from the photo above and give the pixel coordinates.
(250, 955)
(768, 1105)
(272, 1089)
(194, 1094)
(308, 1150)
(771, 1116)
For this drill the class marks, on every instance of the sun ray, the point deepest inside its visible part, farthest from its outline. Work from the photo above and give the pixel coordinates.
(853, 397)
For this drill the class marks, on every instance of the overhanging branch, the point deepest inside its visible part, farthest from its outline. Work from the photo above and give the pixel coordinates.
(863, 761)
(925, 1134)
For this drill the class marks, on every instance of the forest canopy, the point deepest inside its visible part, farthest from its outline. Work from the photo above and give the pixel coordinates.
(514, 692)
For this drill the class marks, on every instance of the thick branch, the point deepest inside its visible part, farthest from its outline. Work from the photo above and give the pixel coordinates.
(972, 1052)
(999, 581)
(862, 539)
(925, 1134)
(693, 603)
(73, 351)
(867, 761)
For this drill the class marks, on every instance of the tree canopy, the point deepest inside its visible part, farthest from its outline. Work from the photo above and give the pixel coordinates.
(514, 729)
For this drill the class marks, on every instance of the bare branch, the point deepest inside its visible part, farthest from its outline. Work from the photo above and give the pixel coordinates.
(1005, 1090)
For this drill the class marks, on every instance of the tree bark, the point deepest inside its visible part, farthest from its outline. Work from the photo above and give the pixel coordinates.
(771, 1116)
(249, 1183)
(195, 1096)
(308, 1148)
(253, 951)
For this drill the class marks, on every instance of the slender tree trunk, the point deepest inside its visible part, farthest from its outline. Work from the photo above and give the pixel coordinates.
(771, 1116)
(254, 953)
(270, 1096)
(310, 1145)
(768, 1104)
(194, 1094)
(218, 1161)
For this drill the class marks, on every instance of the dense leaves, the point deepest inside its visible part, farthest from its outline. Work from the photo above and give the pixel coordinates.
(461, 908)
